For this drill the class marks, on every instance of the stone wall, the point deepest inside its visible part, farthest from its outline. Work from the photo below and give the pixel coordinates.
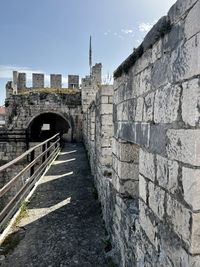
(151, 203)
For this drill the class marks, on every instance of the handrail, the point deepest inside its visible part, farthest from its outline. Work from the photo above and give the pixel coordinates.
(49, 152)
(6, 187)
(7, 165)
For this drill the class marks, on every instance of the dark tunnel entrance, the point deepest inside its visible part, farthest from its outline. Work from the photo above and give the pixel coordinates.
(46, 125)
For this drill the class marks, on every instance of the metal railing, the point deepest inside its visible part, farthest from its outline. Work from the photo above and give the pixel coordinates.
(36, 166)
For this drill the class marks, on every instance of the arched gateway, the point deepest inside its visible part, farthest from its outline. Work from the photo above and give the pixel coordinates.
(48, 124)
(41, 114)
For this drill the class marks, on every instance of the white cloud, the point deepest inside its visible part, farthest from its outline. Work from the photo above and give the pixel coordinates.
(6, 73)
(127, 31)
(145, 27)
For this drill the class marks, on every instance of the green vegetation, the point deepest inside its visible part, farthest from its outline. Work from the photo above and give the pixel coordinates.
(23, 212)
(13, 239)
(50, 91)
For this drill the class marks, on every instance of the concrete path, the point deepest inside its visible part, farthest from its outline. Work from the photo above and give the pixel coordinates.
(63, 226)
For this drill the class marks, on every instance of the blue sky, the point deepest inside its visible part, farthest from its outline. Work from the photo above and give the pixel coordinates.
(52, 36)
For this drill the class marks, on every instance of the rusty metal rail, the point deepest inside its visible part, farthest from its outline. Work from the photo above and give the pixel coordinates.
(50, 149)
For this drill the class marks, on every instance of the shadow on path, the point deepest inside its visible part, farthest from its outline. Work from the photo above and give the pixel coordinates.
(64, 225)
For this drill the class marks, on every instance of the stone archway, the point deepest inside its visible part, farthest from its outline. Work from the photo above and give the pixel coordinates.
(47, 124)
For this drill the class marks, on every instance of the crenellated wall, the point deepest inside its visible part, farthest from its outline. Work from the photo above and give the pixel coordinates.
(151, 203)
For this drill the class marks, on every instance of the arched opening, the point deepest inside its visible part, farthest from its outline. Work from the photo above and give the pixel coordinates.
(48, 124)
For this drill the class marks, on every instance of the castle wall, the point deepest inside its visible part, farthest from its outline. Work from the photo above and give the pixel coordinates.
(151, 203)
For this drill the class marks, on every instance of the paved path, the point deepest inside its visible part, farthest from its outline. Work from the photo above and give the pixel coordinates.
(64, 225)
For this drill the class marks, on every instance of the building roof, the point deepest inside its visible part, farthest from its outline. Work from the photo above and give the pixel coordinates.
(2, 111)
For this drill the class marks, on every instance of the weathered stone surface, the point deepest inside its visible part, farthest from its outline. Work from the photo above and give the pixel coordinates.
(156, 200)
(157, 51)
(191, 102)
(180, 217)
(192, 22)
(184, 146)
(147, 165)
(161, 72)
(126, 170)
(167, 104)
(185, 59)
(167, 173)
(195, 239)
(142, 188)
(139, 109)
(191, 187)
(148, 226)
(180, 8)
(127, 152)
(148, 107)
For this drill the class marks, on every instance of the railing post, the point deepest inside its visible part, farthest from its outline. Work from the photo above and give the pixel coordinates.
(60, 135)
(43, 149)
(32, 158)
(48, 145)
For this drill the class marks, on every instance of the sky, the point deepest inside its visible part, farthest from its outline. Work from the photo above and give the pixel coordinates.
(52, 36)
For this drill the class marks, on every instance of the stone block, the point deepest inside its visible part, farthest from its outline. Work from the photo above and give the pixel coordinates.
(161, 71)
(128, 152)
(106, 108)
(104, 99)
(179, 9)
(157, 51)
(125, 170)
(156, 200)
(148, 107)
(191, 102)
(157, 139)
(185, 61)
(107, 90)
(143, 62)
(110, 99)
(195, 238)
(167, 104)
(167, 173)
(191, 187)
(148, 225)
(129, 188)
(147, 165)
(192, 21)
(142, 188)
(180, 218)
(131, 109)
(142, 133)
(139, 109)
(184, 146)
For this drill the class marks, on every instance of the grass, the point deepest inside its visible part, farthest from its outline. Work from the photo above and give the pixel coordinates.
(13, 239)
(22, 214)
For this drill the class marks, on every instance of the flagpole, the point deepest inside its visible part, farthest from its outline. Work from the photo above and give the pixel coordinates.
(90, 55)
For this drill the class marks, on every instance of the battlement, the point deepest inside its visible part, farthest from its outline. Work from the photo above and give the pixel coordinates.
(38, 81)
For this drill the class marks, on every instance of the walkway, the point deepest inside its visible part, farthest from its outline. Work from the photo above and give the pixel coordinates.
(63, 226)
